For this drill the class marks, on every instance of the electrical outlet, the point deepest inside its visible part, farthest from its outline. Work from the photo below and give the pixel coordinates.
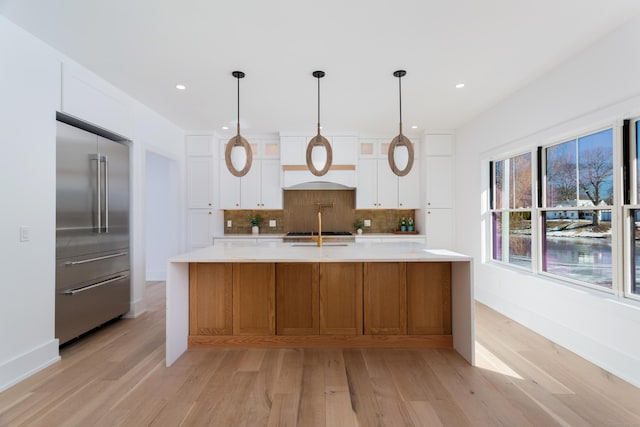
(272, 223)
(367, 223)
(229, 223)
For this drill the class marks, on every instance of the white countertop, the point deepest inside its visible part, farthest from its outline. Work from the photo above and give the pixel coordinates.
(309, 252)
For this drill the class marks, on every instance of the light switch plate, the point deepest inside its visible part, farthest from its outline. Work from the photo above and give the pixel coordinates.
(272, 223)
(229, 223)
(367, 223)
(25, 233)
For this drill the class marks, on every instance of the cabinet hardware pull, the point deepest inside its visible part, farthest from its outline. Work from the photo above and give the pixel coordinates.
(86, 288)
(100, 258)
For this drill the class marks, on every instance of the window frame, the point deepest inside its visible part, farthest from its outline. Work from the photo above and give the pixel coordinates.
(628, 224)
(505, 198)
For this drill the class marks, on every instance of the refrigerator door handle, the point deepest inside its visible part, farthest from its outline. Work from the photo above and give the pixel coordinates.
(100, 258)
(95, 285)
(97, 158)
(106, 193)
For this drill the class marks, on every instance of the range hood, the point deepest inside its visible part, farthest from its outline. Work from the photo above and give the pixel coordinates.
(339, 177)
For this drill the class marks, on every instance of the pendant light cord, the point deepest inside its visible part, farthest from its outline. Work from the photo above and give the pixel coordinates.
(318, 105)
(238, 122)
(400, 98)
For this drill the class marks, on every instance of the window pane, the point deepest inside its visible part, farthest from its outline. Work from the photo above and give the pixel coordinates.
(497, 235)
(499, 184)
(578, 248)
(561, 174)
(512, 231)
(520, 181)
(635, 258)
(638, 158)
(595, 154)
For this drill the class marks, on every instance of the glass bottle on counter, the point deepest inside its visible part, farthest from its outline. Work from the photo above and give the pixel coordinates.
(403, 225)
(410, 224)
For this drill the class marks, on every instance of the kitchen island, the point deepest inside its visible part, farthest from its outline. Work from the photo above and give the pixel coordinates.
(272, 294)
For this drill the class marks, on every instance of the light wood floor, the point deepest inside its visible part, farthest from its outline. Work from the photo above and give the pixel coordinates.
(116, 377)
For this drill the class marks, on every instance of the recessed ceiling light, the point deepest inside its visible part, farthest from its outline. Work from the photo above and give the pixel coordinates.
(414, 127)
(180, 87)
(460, 85)
(225, 127)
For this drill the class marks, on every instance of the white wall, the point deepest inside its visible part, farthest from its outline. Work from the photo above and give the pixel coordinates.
(31, 94)
(162, 216)
(30, 88)
(598, 86)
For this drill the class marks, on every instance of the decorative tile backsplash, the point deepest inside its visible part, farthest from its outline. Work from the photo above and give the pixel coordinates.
(240, 223)
(300, 214)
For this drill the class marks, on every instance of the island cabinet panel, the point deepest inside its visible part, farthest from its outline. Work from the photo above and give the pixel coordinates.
(341, 298)
(385, 298)
(297, 298)
(429, 298)
(210, 296)
(254, 305)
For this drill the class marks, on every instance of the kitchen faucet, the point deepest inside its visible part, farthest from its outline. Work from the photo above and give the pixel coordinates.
(320, 207)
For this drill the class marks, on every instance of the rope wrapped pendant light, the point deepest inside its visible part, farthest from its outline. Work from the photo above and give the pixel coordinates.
(400, 140)
(238, 140)
(319, 140)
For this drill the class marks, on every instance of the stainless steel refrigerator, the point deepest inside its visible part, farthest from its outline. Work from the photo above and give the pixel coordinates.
(92, 231)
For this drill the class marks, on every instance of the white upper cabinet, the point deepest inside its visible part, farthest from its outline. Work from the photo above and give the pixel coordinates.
(378, 186)
(439, 182)
(294, 149)
(345, 150)
(439, 174)
(199, 182)
(260, 188)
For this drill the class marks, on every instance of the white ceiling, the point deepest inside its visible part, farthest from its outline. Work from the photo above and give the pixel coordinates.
(145, 47)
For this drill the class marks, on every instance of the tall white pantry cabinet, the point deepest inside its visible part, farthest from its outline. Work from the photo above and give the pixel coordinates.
(200, 190)
(437, 160)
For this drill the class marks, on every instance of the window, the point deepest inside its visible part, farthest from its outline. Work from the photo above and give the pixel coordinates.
(577, 216)
(511, 213)
(632, 132)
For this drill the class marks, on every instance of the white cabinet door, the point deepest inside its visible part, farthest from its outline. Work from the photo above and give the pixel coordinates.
(345, 150)
(229, 188)
(250, 187)
(199, 228)
(439, 228)
(409, 189)
(367, 191)
(293, 150)
(271, 194)
(199, 182)
(439, 177)
(387, 186)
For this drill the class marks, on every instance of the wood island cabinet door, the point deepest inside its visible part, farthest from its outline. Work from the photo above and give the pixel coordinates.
(385, 298)
(429, 298)
(210, 287)
(297, 298)
(254, 302)
(341, 298)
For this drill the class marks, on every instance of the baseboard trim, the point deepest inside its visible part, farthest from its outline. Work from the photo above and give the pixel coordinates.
(23, 366)
(136, 309)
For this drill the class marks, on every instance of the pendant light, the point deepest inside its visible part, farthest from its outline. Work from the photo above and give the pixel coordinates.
(400, 140)
(319, 140)
(238, 141)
